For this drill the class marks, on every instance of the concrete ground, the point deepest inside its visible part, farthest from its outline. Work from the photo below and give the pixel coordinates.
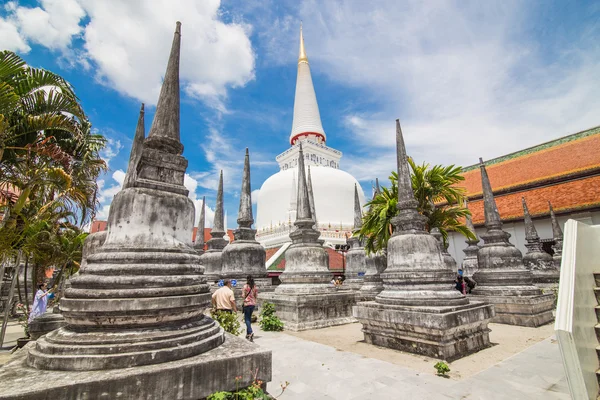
(13, 332)
(318, 371)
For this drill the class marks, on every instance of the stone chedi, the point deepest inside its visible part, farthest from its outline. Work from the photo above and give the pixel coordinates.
(502, 279)
(212, 257)
(199, 242)
(245, 256)
(448, 260)
(557, 235)
(536, 259)
(469, 264)
(375, 264)
(356, 256)
(419, 310)
(305, 299)
(136, 327)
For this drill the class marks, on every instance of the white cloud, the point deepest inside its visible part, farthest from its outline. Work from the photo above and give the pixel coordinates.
(128, 43)
(465, 79)
(110, 151)
(53, 25)
(254, 196)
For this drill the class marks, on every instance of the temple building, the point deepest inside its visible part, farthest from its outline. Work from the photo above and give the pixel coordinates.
(333, 188)
(564, 172)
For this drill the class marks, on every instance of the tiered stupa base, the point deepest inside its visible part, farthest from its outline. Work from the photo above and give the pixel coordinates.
(313, 311)
(189, 378)
(447, 333)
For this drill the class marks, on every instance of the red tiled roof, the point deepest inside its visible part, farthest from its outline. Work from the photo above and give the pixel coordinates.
(98, 226)
(336, 261)
(566, 196)
(565, 172)
(563, 159)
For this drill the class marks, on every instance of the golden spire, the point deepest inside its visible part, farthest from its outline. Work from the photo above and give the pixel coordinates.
(302, 57)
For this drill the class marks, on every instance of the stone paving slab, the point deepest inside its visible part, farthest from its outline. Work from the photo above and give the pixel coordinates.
(317, 371)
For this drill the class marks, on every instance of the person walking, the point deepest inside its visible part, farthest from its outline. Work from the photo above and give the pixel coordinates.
(223, 299)
(250, 294)
(40, 303)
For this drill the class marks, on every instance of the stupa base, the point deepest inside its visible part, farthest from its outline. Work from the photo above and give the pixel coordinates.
(447, 333)
(189, 378)
(530, 311)
(544, 278)
(312, 311)
(353, 283)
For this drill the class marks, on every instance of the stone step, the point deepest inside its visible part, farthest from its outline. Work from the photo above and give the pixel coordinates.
(597, 308)
(597, 293)
(597, 278)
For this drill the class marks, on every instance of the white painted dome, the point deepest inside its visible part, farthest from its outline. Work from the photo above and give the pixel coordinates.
(333, 192)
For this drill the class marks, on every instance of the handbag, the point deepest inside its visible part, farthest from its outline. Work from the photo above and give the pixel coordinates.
(246, 296)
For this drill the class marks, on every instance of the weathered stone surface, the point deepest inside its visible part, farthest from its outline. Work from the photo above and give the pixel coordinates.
(199, 242)
(536, 259)
(470, 263)
(45, 323)
(189, 378)
(356, 255)
(212, 258)
(440, 332)
(244, 256)
(557, 235)
(372, 285)
(419, 310)
(313, 311)
(502, 273)
(449, 261)
(305, 299)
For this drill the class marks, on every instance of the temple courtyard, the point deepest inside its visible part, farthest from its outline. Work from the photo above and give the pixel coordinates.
(523, 363)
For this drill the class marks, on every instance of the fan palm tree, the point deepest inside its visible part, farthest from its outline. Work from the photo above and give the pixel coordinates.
(438, 198)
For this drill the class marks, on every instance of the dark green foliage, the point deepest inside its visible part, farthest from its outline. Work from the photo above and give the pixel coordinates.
(442, 368)
(269, 321)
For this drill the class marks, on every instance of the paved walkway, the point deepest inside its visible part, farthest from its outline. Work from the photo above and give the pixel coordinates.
(316, 371)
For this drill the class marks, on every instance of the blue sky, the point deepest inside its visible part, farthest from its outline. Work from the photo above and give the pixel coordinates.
(467, 79)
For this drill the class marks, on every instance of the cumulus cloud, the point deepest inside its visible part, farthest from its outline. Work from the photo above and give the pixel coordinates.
(128, 43)
(111, 150)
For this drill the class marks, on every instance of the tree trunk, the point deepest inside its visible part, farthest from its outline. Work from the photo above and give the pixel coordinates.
(25, 282)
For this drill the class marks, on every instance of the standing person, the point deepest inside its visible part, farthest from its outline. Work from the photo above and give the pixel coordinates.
(40, 302)
(223, 299)
(470, 284)
(250, 293)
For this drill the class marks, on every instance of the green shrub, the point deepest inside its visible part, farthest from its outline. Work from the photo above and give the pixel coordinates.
(269, 321)
(442, 368)
(252, 392)
(228, 321)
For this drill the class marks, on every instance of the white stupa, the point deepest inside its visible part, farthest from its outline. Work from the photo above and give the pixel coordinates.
(333, 188)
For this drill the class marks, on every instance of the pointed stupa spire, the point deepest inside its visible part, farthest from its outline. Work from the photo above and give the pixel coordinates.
(199, 243)
(492, 216)
(307, 119)
(164, 132)
(245, 219)
(408, 218)
(377, 187)
(357, 209)
(218, 223)
(303, 203)
(530, 231)
(469, 225)
(136, 151)
(311, 196)
(556, 231)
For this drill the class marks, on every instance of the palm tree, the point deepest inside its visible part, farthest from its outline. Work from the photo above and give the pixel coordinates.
(49, 163)
(438, 198)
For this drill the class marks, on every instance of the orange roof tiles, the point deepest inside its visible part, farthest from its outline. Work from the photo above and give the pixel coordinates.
(567, 196)
(577, 155)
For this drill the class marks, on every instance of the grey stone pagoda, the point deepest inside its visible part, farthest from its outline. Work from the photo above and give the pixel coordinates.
(469, 264)
(199, 242)
(502, 278)
(375, 264)
(136, 327)
(536, 259)
(356, 256)
(557, 235)
(305, 299)
(419, 311)
(448, 259)
(212, 257)
(245, 256)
